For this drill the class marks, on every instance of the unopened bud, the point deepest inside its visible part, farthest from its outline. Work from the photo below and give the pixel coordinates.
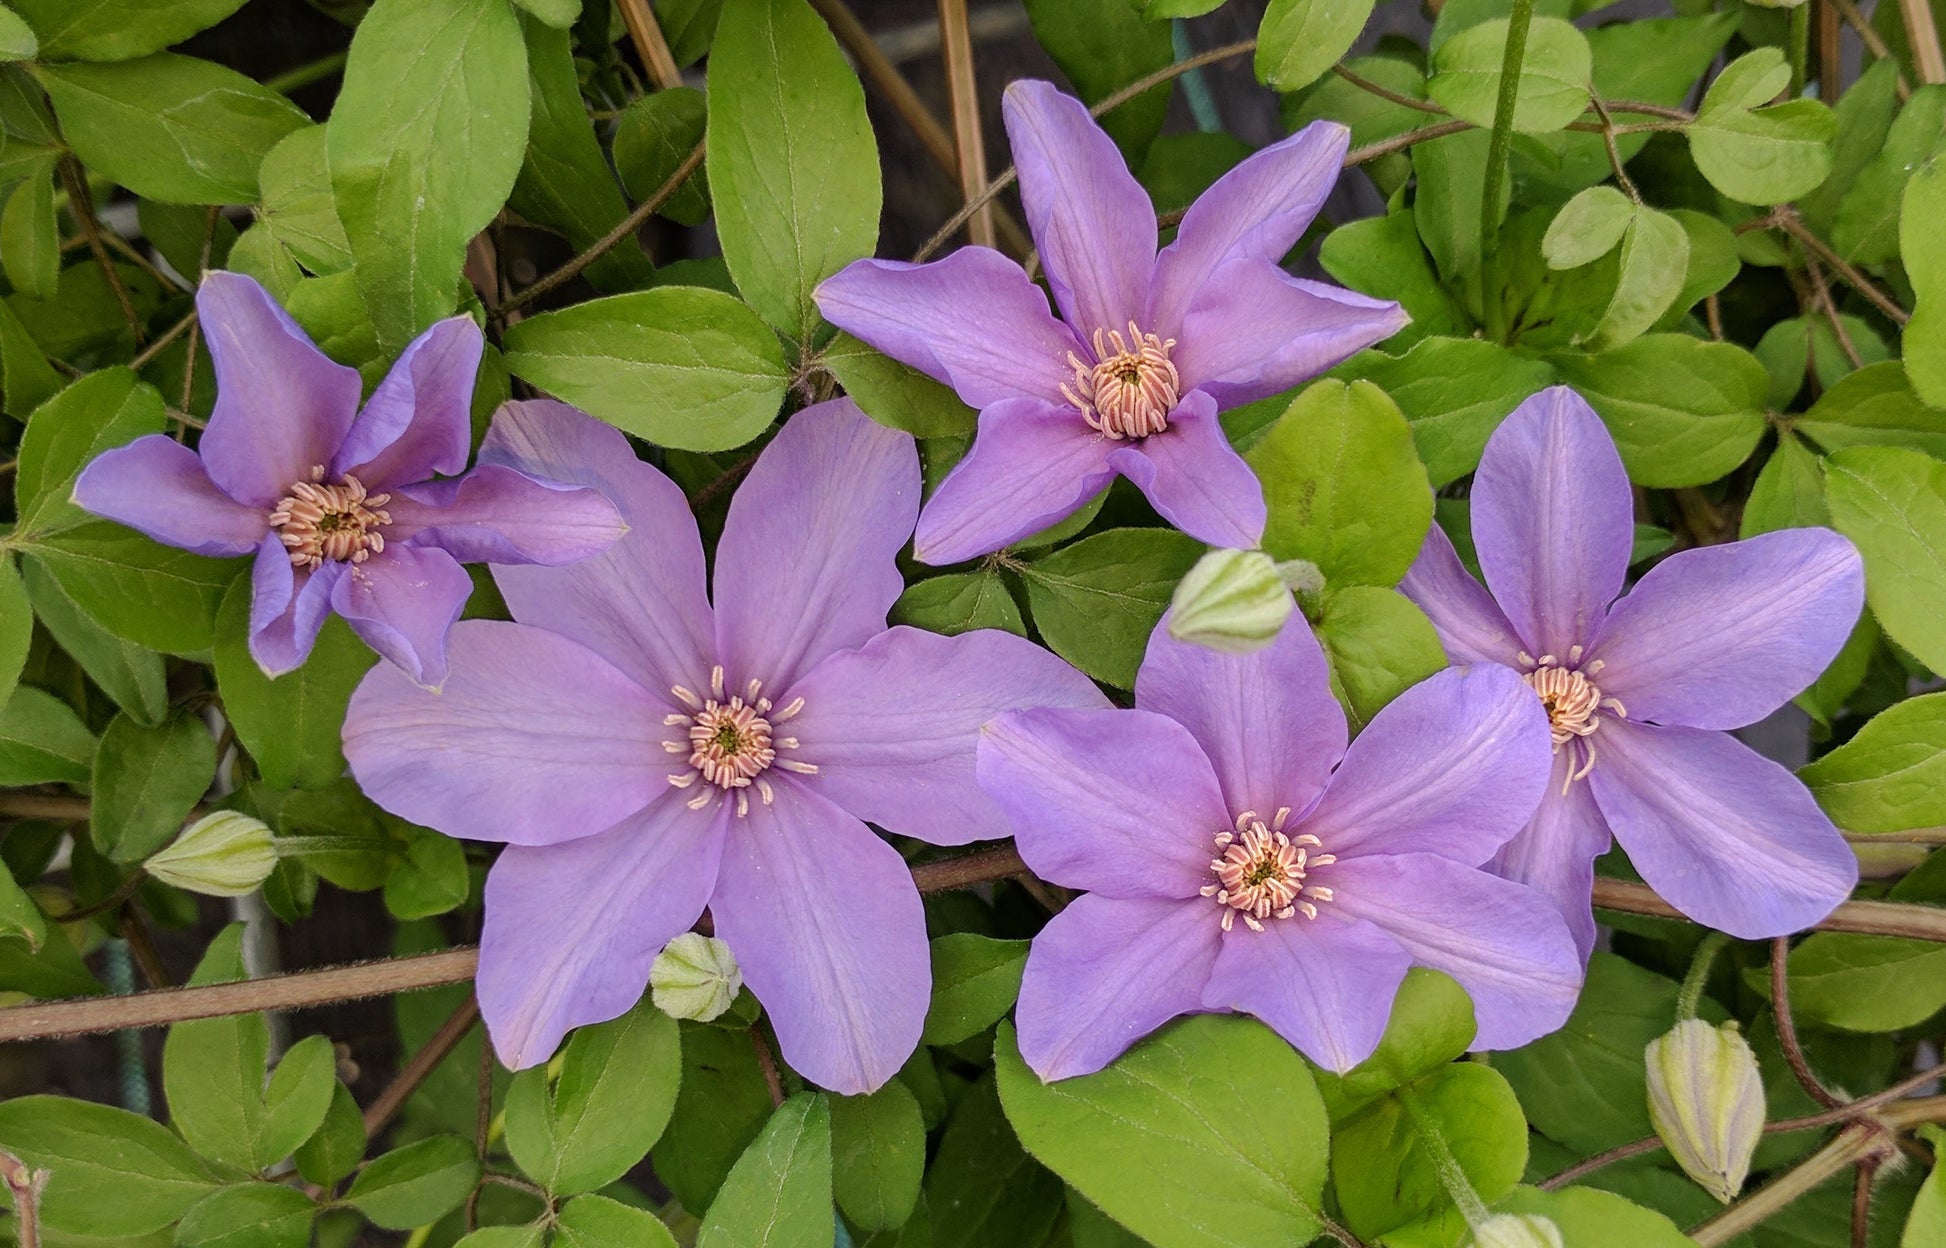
(1232, 600)
(1516, 1230)
(225, 854)
(695, 977)
(1706, 1099)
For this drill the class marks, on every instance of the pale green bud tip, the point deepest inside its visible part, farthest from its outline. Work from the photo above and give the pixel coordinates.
(695, 977)
(225, 854)
(1516, 1230)
(1706, 1099)
(1232, 600)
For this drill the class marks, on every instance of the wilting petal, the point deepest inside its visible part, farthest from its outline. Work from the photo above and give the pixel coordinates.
(572, 929)
(1091, 219)
(497, 514)
(1032, 464)
(1258, 209)
(1554, 520)
(1555, 853)
(1721, 636)
(973, 320)
(892, 727)
(1453, 766)
(1325, 984)
(1505, 944)
(1254, 330)
(403, 602)
(156, 485)
(1105, 972)
(1266, 719)
(282, 408)
(1730, 838)
(287, 607)
(1470, 624)
(825, 922)
(641, 603)
(806, 565)
(534, 740)
(1121, 803)
(419, 421)
(1194, 478)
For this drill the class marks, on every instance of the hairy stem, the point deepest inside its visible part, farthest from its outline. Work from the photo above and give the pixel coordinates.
(1519, 19)
(1699, 974)
(1923, 35)
(25, 1184)
(1780, 1005)
(1451, 1176)
(83, 207)
(646, 34)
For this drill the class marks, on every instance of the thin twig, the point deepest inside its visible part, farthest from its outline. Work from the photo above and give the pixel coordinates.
(767, 1062)
(1386, 93)
(379, 1114)
(1830, 84)
(161, 344)
(1873, 42)
(42, 806)
(1923, 37)
(142, 945)
(1786, 218)
(25, 1184)
(1822, 296)
(1871, 918)
(956, 49)
(1621, 1152)
(1861, 1201)
(133, 255)
(1780, 1006)
(646, 34)
(1614, 153)
(1398, 143)
(83, 208)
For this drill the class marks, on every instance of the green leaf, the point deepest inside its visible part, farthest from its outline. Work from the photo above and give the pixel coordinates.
(959, 602)
(1344, 487)
(1866, 983)
(337, 1146)
(1372, 118)
(721, 1107)
(896, 395)
(1431, 1025)
(598, 1222)
(290, 724)
(1096, 602)
(1301, 39)
(130, 674)
(1654, 269)
(17, 39)
(653, 136)
(532, 1235)
(560, 14)
(982, 1190)
(1396, 1180)
(685, 367)
(115, 30)
(974, 982)
(878, 1155)
(26, 378)
(1587, 227)
(16, 627)
(20, 918)
(297, 206)
(1768, 155)
(779, 1192)
(1588, 1218)
(1713, 261)
(1924, 343)
(793, 167)
(42, 741)
(1789, 492)
(431, 876)
(1554, 74)
(171, 128)
(419, 1183)
(249, 1215)
(1874, 406)
(1454, 392)
(30, 242)
(145, 782)
(1682, 411)
(1378, 644)
(616, 1090)
(1891, 775)
(1446, 207)
(1750, 81)
(1864, 115)
(144, 592)
(66, 433)
(1866, 229)
(1892, 504)
(423, 144)
(1926, 1224)
(1209, 1132)
(1103, 46)
(112, 1173)
(1383, 257)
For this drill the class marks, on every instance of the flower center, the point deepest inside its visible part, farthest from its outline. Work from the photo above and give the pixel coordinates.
(1572, 700)
(338, 522)
(729, 742)
(1131, 389)
(1260, 872)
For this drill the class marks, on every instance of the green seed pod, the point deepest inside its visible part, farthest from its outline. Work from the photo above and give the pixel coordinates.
(1516, 1230)
(1706, 1099)
(1232, 600)
(695, 977)
(225, 854)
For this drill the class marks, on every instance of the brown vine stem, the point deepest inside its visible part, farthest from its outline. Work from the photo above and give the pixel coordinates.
(646, 34)
(1923, 35)
(388, 1103)
(1780, 1009)
(161, 344)
(83, 208)
(956, 49)
(767, 1062)
(25, 1184)
(1872, 918)
(1873, 42)
(1786, 219)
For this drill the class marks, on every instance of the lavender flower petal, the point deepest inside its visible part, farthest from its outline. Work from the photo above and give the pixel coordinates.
(1555, 853)
(1506, 945)
(1122, 803)
(892, 726)
(1194, 478)
(533, 741)
(403, 602)
(418, 421)
(825, 922)
(805, 566)
(1254, 331)
(287, 607)
(1730, 838)
(1470, 624)
(1326, 985)
(1107, 971)
(1266, 719)
(1720, 636)
(497, 514)
(282, 408)
(1553, 518)
(1091, 219)
(158, 486)
(973, 320)
(1031, 465)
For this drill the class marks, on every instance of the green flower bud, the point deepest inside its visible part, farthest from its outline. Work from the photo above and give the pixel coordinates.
(695, 977)
(1706, 1100)
(1232, 600)
(225, 854)
(1516, 1230)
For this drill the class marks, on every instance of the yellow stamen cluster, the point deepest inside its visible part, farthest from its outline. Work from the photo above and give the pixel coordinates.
(1572, 700)
(1260, 872)
(730, 742)
(340, 523)
(1131, 389)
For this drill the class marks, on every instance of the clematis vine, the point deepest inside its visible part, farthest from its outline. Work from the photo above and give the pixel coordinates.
(1148, 348)
(340, 504)
(644, 752)
(1640, 691)
(1238, 856)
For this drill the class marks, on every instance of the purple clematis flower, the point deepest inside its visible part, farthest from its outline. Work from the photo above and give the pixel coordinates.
(1149, 347)
(644, 753)
(1640, 691)
(1230, 867)
(339, 504)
